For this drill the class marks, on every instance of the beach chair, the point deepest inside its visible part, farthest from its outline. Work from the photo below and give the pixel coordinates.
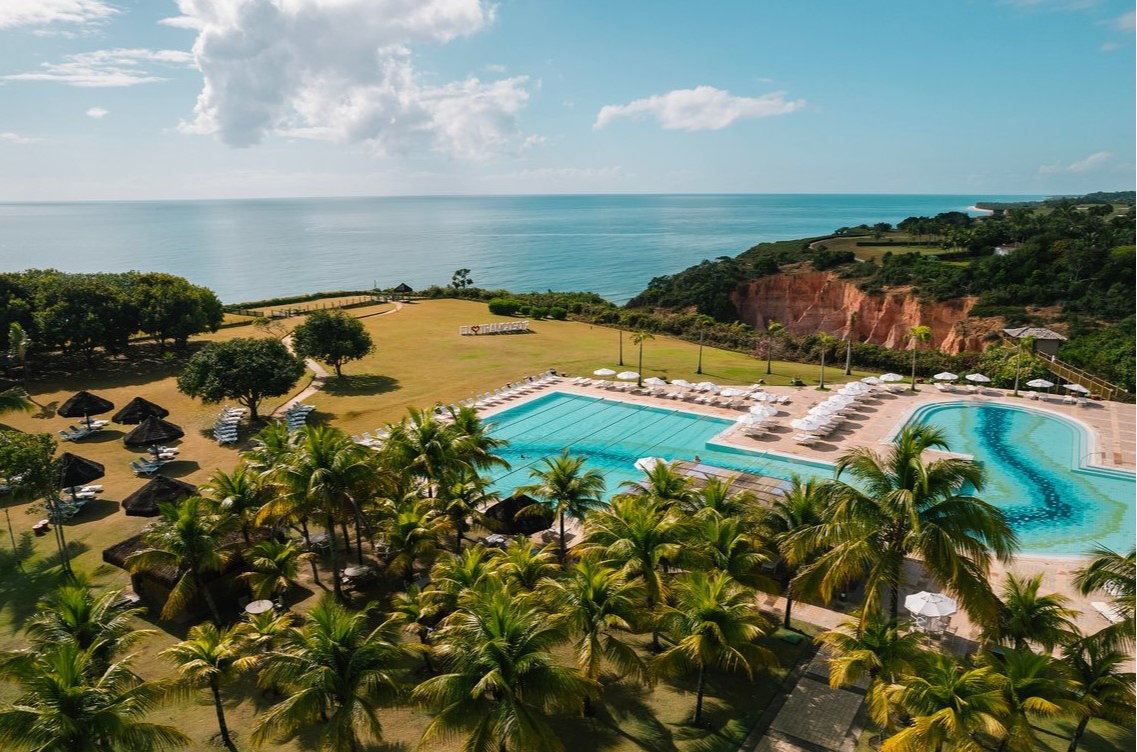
(1111, 613)
(140, 469)
(806, 439)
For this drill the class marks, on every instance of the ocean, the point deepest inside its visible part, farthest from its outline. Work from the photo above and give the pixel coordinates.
(260, 248)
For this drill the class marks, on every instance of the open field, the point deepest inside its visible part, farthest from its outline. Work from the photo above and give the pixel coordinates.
(876, 252)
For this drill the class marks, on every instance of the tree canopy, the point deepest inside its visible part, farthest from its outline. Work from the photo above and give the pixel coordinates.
(332, 337)
(245, 370)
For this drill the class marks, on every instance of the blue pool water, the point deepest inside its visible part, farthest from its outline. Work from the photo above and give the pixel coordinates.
(1036, 474)
(1033, 460)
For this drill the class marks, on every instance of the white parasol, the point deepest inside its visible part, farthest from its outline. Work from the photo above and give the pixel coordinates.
(647, 464)
(945, 376)
(977, 378)
(1076, 388)
(890, 378)
(731, 391)
(603, 372)
(655, 381)
(930, 604)
(683, 383)
(1039, 384)
(627, 375)
(766, 411)
(750, 420)
(870, 380)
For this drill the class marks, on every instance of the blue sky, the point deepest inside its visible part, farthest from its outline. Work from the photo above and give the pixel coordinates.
(144, 99)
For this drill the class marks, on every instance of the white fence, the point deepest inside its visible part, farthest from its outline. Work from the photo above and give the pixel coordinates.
(501, 327)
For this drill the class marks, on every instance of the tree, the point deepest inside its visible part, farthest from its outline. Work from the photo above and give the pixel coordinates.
(96, 624)
(332, 337)
(424, 447)
(1116, 575)
(275, 567)
(849, 344)
(1105, 690)
(1034, 686)
(208, 658)
(664, 484)
(244, 370)
(801, 508)
(185, 538)
(15, 400)
(638, 339)
(948, 704)
(461, 279)
(416, 611)
(773, 329)
(62, 703)
(825, 343)
(240, 493)
(729, 545)
(453, 575)
(474, 444)
(170, 308)
(703, 322)
(461, 498)
(917, 335)
(18, 345)
(873, 649)
(28, 463)
(568, 487)
(714, 623)
(899, 505)
(413, 530)
(334, 671)
(1026, 617)
(525, 566)
(500, 679)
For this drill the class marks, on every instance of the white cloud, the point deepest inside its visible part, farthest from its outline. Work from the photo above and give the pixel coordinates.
(107, 68)
(14, 13)
(180, 22)
(1092, 162)
(532, 142)
(495, 68)
(1126, 22)
(98, 113)
(16, 138)
(703, 108)
(342, 72)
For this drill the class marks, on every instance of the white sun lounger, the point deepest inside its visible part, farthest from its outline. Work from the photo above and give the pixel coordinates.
(1112, 613)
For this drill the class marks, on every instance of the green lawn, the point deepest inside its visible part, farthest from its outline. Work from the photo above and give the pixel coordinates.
(876, 252)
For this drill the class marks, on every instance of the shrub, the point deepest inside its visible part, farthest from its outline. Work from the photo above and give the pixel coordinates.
(558, 313)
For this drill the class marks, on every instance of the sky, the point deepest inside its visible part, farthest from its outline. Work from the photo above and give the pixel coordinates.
(198, 99)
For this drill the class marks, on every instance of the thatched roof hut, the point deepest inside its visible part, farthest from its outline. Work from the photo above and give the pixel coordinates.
(507, 516)
(403, 288)
(161, 490)
(117, 555)
(138, 410)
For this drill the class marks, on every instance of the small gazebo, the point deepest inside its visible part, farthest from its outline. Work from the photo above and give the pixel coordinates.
(84, 405)
(153, 431)
(138, 410)
(1045, 341)
(161, 490)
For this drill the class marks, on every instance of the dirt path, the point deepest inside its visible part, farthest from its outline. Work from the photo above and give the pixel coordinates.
(321, 373)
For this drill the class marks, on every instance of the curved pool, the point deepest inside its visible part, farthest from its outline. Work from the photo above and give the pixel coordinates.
(1037, 476)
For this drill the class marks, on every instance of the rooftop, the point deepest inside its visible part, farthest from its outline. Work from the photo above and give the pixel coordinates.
(1032, 331)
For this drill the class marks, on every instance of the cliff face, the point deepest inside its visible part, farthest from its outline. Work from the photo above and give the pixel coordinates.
(807, 302)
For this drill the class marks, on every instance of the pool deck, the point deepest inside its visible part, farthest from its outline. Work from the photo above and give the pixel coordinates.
(1112, 427)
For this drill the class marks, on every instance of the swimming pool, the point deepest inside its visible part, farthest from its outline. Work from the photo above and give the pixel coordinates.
(614, 434)
(1037, 476)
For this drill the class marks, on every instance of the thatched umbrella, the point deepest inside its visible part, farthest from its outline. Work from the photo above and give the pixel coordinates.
(162, 490)
(84, 405)
(77, 471)
(153, 431)
(404, 288)
(516, 514)
(138, 410)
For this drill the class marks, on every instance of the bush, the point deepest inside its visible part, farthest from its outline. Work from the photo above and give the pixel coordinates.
(558, 313)
(504, 306)
(538, 312)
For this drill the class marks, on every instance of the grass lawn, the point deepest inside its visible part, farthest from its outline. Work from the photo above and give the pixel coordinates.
(876, 252)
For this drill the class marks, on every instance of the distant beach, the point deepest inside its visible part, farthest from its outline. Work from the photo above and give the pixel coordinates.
(612, 245)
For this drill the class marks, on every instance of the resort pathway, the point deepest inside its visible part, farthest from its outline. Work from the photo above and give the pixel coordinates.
(320, 374)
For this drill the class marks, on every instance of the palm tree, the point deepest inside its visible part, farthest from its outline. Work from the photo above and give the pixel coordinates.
(15, 400)
(461, 497)
(413, 532)
(525, 566)
(454, 574)
(917, 335)
(276, 567)
(185, 538)
(773, 329)
(715, 623)
(97, 624)
(208, 658)
(597, 604)
(948, 704)
(825, 342)
(730, 546)
(501, 680)
(1104, 690)
(638, 339)
(718, 497)
(62, 703)
(564, 483)
(903, 506)
(665, 484)
(799, 509)
(876, 650)
(1027, 617)
(416, 611)
(240, 493)
(1034, 686)
(424, 447)
(18, 344)
(642, 539)
(849, 344)
(271, 445)
(703, 321)
(476, 447)
(335, 672)
(1116, 575)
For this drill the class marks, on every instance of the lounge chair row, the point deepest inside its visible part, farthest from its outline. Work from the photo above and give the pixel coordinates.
(375, 442)
(147, 466)
(526, 385)
(228, 420)
(74, 433)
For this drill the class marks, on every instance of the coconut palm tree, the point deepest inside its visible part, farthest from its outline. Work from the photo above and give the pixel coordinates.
(270, 446)
(208, 658)
(461, 497)
(452, 575)
(773, 329)
(666, 485)
(276, 567)
(902, 506)
(849, 344)
(1116, 575)
(715, 624)
(476, 447)
(1034, 686)
(799, 509)
(875, 650)
(718, 497)
(15, 400)
(96, 623)
(948, 704)
(424, 447)
(916, 336)
(598, 605)
(417, 611)
(1105, 690)
(240, 493)
(18, 345)
(565, 484)
(185, 538)
(413, 531)
(62, 703)
(523, 565)
(638, 339)
(825, 341)
(500, 679)
(1027, 617)
(642, 540)
(334, 671)
(730, 545)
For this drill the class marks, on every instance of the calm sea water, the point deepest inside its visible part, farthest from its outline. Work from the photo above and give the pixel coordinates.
(255, 249)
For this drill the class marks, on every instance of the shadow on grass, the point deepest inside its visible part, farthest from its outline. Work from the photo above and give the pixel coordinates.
(102, 436)
(46, 411)
(179, 468)
(21, 585)
(360, 384)
(96, 509)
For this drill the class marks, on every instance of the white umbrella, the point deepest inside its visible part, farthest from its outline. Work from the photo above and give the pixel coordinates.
(731, 391)
(945, 376)
(1039, 384)
(762, 397)
(977, 378)
(1077, 388)
(750, 420)
(870, 380)
(603, 372)
(806, 424)
(846, 392)
(647, 464)
(681, 383)
(655, 381)
(822, 410)
(627, 375)
(764, 410)
(930, 604)
(890, 378)
(707, 386)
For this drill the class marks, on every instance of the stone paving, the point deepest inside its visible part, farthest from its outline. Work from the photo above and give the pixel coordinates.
(818, 715)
